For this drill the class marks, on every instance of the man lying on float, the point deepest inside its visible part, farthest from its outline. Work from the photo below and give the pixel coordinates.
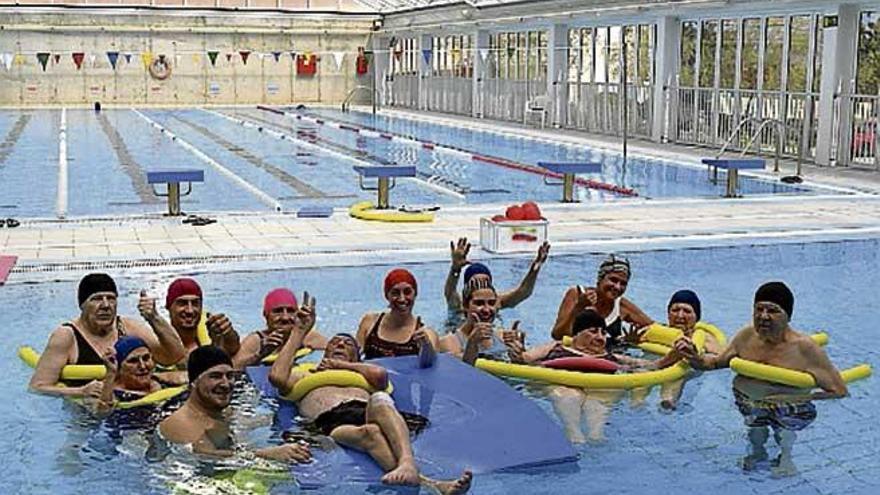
(355, 417)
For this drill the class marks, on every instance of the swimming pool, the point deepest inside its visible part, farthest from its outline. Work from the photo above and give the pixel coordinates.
(54, 450)
(108, 154)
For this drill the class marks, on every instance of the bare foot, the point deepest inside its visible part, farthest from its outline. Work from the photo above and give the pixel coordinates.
(750, 461)
(782, 467)
(454, 487)
(406, 473)
(575, 436)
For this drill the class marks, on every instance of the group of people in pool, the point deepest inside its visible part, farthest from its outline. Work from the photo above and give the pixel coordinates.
(599, 320)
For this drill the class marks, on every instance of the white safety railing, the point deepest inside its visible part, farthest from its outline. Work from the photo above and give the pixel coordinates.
(857, 141)
(448, 94)
(709, 117)
(505, 99)
(597, 107)
(404, 91)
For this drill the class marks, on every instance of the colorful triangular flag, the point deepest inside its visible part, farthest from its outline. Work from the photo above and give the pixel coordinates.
(426, 53)
(78, 59)
(338, 57)
(57, 58)
(484, 53)
(146, 59)
(244, 55)
(113, 57)
(127, 56)
(277, 56)
(7, 59)
(196, 58)
(43, 57)
(212, 56)
(292, 54)
(229, 57)
(20, 60)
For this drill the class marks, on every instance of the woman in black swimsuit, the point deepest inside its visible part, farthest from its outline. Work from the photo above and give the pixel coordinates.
(397, 332)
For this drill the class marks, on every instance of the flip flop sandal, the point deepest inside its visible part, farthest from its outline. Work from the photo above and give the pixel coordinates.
(201, 221)
(12, 223)
(191, 218)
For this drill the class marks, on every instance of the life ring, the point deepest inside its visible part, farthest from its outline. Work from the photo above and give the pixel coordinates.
(160, 69)
(336, 378)
(582, 363)
(578, 379)
(789, 377)
(365, 210)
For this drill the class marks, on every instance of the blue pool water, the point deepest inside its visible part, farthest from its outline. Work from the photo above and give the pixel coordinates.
(53, 449)
(109, 153)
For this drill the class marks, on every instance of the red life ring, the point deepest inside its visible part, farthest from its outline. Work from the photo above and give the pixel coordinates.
(582, 363)
(160, 69)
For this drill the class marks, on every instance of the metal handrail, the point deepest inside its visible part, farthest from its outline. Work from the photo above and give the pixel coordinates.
(346, 103)
(778, 127)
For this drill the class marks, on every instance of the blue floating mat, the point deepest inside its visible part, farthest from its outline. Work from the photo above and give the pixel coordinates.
(477, 422)
(314, 211)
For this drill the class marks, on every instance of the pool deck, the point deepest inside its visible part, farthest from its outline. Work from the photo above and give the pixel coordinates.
(55, 249)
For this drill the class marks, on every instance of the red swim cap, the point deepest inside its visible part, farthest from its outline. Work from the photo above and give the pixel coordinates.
(278, 297)
(182, 287)
(397, 276)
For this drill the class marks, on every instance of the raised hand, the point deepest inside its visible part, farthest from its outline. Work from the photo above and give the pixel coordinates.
(109, 360)
(633, 335)
(147, 306)
(218, 325)
(93, 390)
(586, 298)
(305, 314)
(459, 252)
(541, 257)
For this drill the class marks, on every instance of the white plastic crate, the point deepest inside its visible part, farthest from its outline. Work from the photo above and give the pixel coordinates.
(512, 236)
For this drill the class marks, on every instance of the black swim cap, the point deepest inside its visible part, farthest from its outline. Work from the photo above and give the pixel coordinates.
(778, 293)
(94, 283)
(203, 359)
(587, 318)
(688, 297)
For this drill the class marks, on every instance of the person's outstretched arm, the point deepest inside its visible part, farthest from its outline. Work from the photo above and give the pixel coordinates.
(526, 286)
(459, 252)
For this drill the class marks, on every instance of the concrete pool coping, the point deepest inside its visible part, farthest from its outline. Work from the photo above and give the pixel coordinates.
(54, 249)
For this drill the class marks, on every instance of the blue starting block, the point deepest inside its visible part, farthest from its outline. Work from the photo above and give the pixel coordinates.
(733, 166)
(568, 171)
(385, 175)
(172, 180)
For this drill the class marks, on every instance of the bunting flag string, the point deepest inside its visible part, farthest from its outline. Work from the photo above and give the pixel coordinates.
(78, 59)
(43, 58)
(113, 57)
(244, 55)
(338, 57)
(212, 56)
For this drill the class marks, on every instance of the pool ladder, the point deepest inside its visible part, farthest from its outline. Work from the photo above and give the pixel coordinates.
(346, 103)
(778, 126)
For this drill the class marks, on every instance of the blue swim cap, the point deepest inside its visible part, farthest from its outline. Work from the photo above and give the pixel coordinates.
(125, 345)
(476, 269)
(687, 297)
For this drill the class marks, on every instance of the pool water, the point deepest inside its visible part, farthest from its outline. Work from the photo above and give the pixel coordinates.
(110, 152)
(54, 449)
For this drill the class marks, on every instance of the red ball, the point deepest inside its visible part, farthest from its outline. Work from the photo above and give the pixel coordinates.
(531, 211)
(515, 212)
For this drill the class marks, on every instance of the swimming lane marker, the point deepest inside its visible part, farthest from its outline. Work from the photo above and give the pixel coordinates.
(321, 149)
(61, 203)
(262, 196)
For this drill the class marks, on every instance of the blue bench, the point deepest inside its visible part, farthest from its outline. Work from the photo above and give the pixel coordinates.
(385, 176)
(172, 180)
(733, 166)
(568, 172)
